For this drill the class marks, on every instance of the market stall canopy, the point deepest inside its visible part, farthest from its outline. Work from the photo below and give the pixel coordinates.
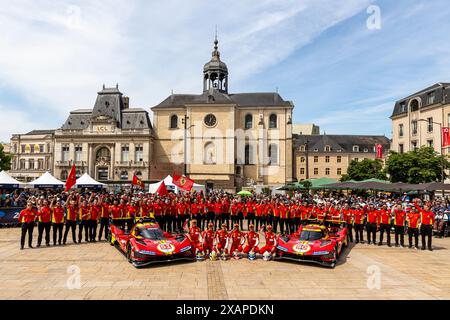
(86, 181)
(168, 181)
(6, 181)
(47, 181)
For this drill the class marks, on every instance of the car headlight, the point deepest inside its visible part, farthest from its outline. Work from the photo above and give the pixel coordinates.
(147, 252)
(185, 249)
(320, 253)
(282, 248)
(325, 243)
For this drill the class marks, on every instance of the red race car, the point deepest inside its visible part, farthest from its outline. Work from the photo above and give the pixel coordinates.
(146, 244)
(314, 244)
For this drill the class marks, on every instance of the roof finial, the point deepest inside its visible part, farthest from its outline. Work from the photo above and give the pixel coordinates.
(103, 86)
(117, 85)
(216, 42)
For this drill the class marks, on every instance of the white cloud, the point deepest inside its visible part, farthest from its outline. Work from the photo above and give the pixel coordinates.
(57, 55)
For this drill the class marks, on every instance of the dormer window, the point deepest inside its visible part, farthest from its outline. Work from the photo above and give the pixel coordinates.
(316, 150)
(366, 150)
(355, 148)
(414, 105)
(431, 97)
(327, 148)
(403, 106)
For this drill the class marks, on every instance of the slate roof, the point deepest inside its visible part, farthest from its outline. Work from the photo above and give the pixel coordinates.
(442, 94)
(39, 132)
(212, 96)
(343, 142)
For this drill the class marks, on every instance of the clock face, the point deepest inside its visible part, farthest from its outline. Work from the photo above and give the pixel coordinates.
(210, 120)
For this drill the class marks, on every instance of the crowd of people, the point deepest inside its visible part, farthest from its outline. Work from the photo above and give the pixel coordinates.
(87, 215)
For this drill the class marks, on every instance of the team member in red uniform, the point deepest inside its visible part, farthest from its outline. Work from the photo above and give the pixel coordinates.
(399, 225)
(27, 217)
(104, 218)
(208, 239)
(284, 216)
(226, 212)
(202, 213)
(413, 220)
(258, 214)
(183, 212)
(276, 215)
(250, 212)
(217, 213)
(221, 239)
(209, 207)
(84, 216)
(71, 219)
(426, 228)
(385, 225)
(347, 216)
(372, 224)
(240, 213)
(195, 213)
(358, 223)
(234, 212)
(131, 211)
(236, 239)
(194, 235)
(116, 213)
(268, 212)
(252, 239)
(95, 210)
(271, 241)
(304, 213)
(57, 221)
(320, 214)
(158, 213)
(44, 216)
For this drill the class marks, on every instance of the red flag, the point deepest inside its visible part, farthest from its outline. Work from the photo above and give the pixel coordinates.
(445, 137)
(162, 190)
(183, 182)
(138, 182)
(71, 179)
(379, 151)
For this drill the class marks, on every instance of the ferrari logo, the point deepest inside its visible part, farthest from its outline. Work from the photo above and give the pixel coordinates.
(182, 181)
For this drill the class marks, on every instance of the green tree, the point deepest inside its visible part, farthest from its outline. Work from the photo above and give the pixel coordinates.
(365, 169)
(5, 160)
(419, 166)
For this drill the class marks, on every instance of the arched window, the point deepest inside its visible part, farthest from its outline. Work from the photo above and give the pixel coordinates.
(124, 175)
(174, 122)
(272, 121)
(248, 121)
(249, 159)
(139, 174)
(209, 155)
(64, 175)
(273, 154)
(414, 105)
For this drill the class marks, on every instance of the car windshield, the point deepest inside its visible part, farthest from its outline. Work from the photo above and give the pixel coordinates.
(151, 234)
(310, 235)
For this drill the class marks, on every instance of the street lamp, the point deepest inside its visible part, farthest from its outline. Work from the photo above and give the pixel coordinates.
(186, 128)
(442, 148)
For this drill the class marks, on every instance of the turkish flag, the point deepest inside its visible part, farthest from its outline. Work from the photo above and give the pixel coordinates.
(71, 179)
(162, 190)
(183, 182)
(379, 151)
(445, 137)
(138, 182)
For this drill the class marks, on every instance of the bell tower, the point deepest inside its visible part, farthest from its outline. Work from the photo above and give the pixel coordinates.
(215, 72)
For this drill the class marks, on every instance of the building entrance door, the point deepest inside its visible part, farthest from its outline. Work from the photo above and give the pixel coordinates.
(102, 174)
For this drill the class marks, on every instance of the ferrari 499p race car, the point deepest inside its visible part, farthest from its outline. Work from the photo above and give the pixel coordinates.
(314, 244)
(146, 244)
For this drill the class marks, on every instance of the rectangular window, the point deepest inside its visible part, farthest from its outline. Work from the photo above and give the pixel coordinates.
(125, 153)
(78, 153)
(302, 159)
(22, 147)
(430, 124)
(22, 164)
(430, 143)
(40, 164)
(414, 145)
(65, 153)
(316, 159)
(403, 106)
(401, 148)
(414, 127)
(339, 159)
(139, 153)
(339, 171)
(431, 97)
(356, 159)
(327, 171)
(400, 130)
(302, 171)
(316, 171)
(41, 148)
(327, 159)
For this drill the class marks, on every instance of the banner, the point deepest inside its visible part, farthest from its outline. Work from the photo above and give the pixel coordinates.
(182, 182)
(379, 151)
(71, 179)
(9, 216)
(445, 137)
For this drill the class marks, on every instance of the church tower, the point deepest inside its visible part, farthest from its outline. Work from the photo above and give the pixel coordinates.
(215, 72)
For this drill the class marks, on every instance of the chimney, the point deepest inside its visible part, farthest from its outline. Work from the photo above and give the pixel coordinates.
(126, 102)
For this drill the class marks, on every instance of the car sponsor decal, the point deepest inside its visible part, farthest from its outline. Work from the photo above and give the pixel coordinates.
(301, 247)
(165, 247)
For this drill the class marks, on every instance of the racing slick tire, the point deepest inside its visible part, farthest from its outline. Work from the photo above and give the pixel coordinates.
(109, 239)
(333, 263)
(128, 254)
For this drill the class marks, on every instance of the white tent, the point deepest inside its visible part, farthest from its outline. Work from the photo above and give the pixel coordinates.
(6, 181)
(47, 181)
(86, 181)
(168, 181)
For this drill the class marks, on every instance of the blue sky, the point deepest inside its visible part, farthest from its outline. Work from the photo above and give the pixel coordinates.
(341, 75)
